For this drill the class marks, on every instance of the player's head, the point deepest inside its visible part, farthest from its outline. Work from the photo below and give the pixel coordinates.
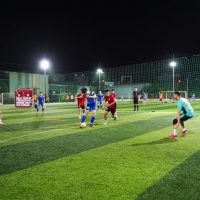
(177, 95)
(100, 92)
(113, 90)
(84, 90)
(136, 89)
(107, 93)
(40, 93)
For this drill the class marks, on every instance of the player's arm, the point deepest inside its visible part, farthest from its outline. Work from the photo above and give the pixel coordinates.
(78, 97)
(112, 103)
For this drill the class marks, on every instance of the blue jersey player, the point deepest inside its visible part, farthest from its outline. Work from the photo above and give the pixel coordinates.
(40, 102)
(91, 106)
(100, 100)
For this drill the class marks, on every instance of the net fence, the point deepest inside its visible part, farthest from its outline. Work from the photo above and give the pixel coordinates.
(150, 79)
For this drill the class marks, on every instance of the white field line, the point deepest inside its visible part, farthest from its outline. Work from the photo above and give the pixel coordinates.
(41, 132)
(38, 133)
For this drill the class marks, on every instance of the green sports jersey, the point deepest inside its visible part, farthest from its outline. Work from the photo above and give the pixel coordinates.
(185, 107)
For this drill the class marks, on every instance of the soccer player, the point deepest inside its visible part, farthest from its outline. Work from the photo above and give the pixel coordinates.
(161, 97)
(136, 100)
(91, 106)
(81, 102)
(111, 107)
(1, 115)
(100, 100)
(185, 112)
(41, 99)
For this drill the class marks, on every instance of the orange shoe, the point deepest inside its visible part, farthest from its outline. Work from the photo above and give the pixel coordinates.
(172, 136)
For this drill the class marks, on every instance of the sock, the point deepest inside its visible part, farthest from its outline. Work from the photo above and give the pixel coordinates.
(92, 120)
(134, 108)
(184, 129)
(137, 108)
(83, 118)
(175, 132)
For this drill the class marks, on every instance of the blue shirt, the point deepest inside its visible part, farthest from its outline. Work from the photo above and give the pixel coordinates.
(91, 100)
(185, 107)
(41, 99)
(100, 97)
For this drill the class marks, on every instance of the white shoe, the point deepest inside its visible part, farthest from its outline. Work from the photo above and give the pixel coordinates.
(1, 123)
(105, 123)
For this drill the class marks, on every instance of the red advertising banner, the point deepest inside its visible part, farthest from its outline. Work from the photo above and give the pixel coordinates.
(23, 98)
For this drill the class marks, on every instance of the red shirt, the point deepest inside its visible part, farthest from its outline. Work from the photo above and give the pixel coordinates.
(110, 100)
(81, 101)
(114, 94)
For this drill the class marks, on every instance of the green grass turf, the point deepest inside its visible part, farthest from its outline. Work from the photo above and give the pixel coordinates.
(49, 157)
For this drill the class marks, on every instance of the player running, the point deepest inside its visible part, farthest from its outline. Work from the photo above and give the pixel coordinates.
(40, 102)
(1, 115)
(111, 107)
(100, 100)
(136, 100)
(81, 102)
(185, 112)
(91, 106)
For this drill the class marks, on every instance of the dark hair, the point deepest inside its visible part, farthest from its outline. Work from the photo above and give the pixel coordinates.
(177, 93)
(107, 91)
(40, 92)
(84, 90)
(113, 90)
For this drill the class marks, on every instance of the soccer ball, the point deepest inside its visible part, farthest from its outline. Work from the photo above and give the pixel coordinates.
(83, 125)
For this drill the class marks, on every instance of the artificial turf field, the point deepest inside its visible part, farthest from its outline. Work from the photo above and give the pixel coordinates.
(49, 157)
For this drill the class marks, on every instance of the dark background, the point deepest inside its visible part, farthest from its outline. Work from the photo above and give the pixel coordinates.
(83, 36)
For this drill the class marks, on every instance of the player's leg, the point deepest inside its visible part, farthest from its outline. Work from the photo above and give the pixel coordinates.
(114, 113)
(182, 120)
(134, 107)
(175, 128)
(83, 118)
(93, 118)
(42, 105)
(79, 112)
(106, 116)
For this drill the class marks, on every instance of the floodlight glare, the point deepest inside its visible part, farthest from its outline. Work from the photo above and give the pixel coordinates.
(99, 71)
(44, 64)
(172, 64)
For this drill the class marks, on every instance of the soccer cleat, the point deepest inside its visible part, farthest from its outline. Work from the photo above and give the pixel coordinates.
(91, 125)
(184, 132)
(105, 123)
(172, 136)
(1, 123)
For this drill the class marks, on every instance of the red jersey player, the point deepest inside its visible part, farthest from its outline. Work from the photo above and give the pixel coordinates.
(111, 107)
(81, 102)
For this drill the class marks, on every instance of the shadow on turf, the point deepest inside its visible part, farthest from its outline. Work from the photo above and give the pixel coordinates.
(28, 154)
(182, 183)
(156, 142)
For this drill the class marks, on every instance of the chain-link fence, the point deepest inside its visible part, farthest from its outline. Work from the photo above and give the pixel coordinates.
(150, 78)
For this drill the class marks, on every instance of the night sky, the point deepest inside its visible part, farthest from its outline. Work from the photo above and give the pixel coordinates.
(83, 36)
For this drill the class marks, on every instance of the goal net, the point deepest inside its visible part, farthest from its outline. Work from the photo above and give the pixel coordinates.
(167, 96)
(7, 98)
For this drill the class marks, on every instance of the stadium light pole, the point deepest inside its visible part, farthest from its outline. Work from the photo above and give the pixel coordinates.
(173, 65)
(99, 72)
(44, 64)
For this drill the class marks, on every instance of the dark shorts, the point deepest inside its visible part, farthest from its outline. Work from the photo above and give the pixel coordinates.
(185, 118)
(135, 101)
(112, 110)
(81, 106)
